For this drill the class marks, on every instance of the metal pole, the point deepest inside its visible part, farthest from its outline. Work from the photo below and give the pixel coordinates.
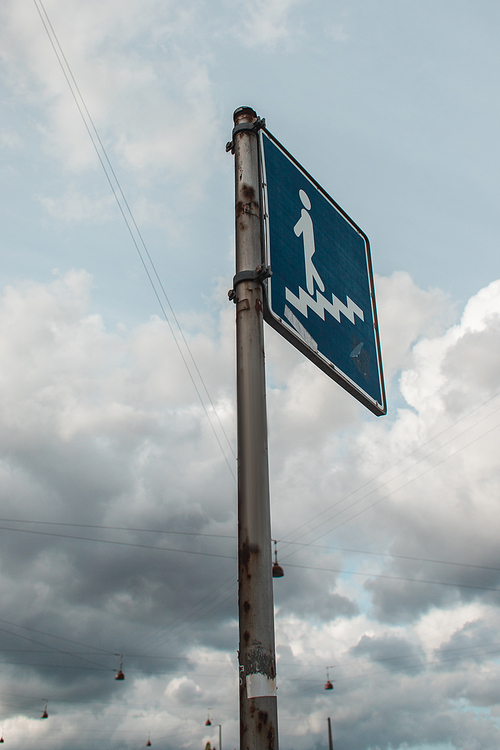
(257, 660)
(330, 741)
(220, 736)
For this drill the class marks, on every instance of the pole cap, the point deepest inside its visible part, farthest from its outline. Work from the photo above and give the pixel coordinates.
(244, 112)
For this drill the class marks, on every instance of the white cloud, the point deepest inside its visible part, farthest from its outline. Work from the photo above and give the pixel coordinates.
(10, 139)
(406, 313)
(267, 23)
(78, 206)
(337, 32)
(154, 112)
(104, 429)
(459, 366)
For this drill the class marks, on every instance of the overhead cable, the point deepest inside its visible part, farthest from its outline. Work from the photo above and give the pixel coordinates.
(133, 228)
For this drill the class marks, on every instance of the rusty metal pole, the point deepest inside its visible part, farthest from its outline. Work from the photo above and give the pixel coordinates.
(257, 660)
(330, 741)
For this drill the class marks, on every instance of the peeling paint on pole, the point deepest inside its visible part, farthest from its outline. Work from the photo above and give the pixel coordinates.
(260, 669)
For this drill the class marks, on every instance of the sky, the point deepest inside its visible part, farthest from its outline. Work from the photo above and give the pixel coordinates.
(117, 386)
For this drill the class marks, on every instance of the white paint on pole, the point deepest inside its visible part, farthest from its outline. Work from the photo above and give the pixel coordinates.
(259, 685)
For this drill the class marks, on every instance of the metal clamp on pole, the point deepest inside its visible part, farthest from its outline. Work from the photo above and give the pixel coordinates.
(253, 127)
(260, 273)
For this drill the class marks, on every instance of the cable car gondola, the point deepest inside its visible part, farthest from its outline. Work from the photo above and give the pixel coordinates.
(119, 675)
(328, 684)
(45, 714)
(208, 723)
(277, 569)
(148, 743)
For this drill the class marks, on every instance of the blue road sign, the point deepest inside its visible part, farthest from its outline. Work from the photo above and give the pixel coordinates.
(321, 294)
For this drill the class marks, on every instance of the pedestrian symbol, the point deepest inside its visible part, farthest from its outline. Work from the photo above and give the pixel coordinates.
(304, 227)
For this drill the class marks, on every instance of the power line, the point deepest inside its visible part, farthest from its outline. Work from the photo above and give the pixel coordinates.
(233, 557)
(290, 565)
(426, 471)
(363, 510)
(59, 637)
(395, 578)
(54, 648)
(131, 224)
(170, 636)
(311, 545)
(119, 528)
(485, 647)
(419, 665)
(395, 557)
(286, 541)
(122, 544)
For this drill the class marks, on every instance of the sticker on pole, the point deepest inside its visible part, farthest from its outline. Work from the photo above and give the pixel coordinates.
(321, 293)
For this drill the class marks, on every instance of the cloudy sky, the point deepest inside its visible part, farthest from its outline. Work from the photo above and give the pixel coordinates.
(117, 430)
